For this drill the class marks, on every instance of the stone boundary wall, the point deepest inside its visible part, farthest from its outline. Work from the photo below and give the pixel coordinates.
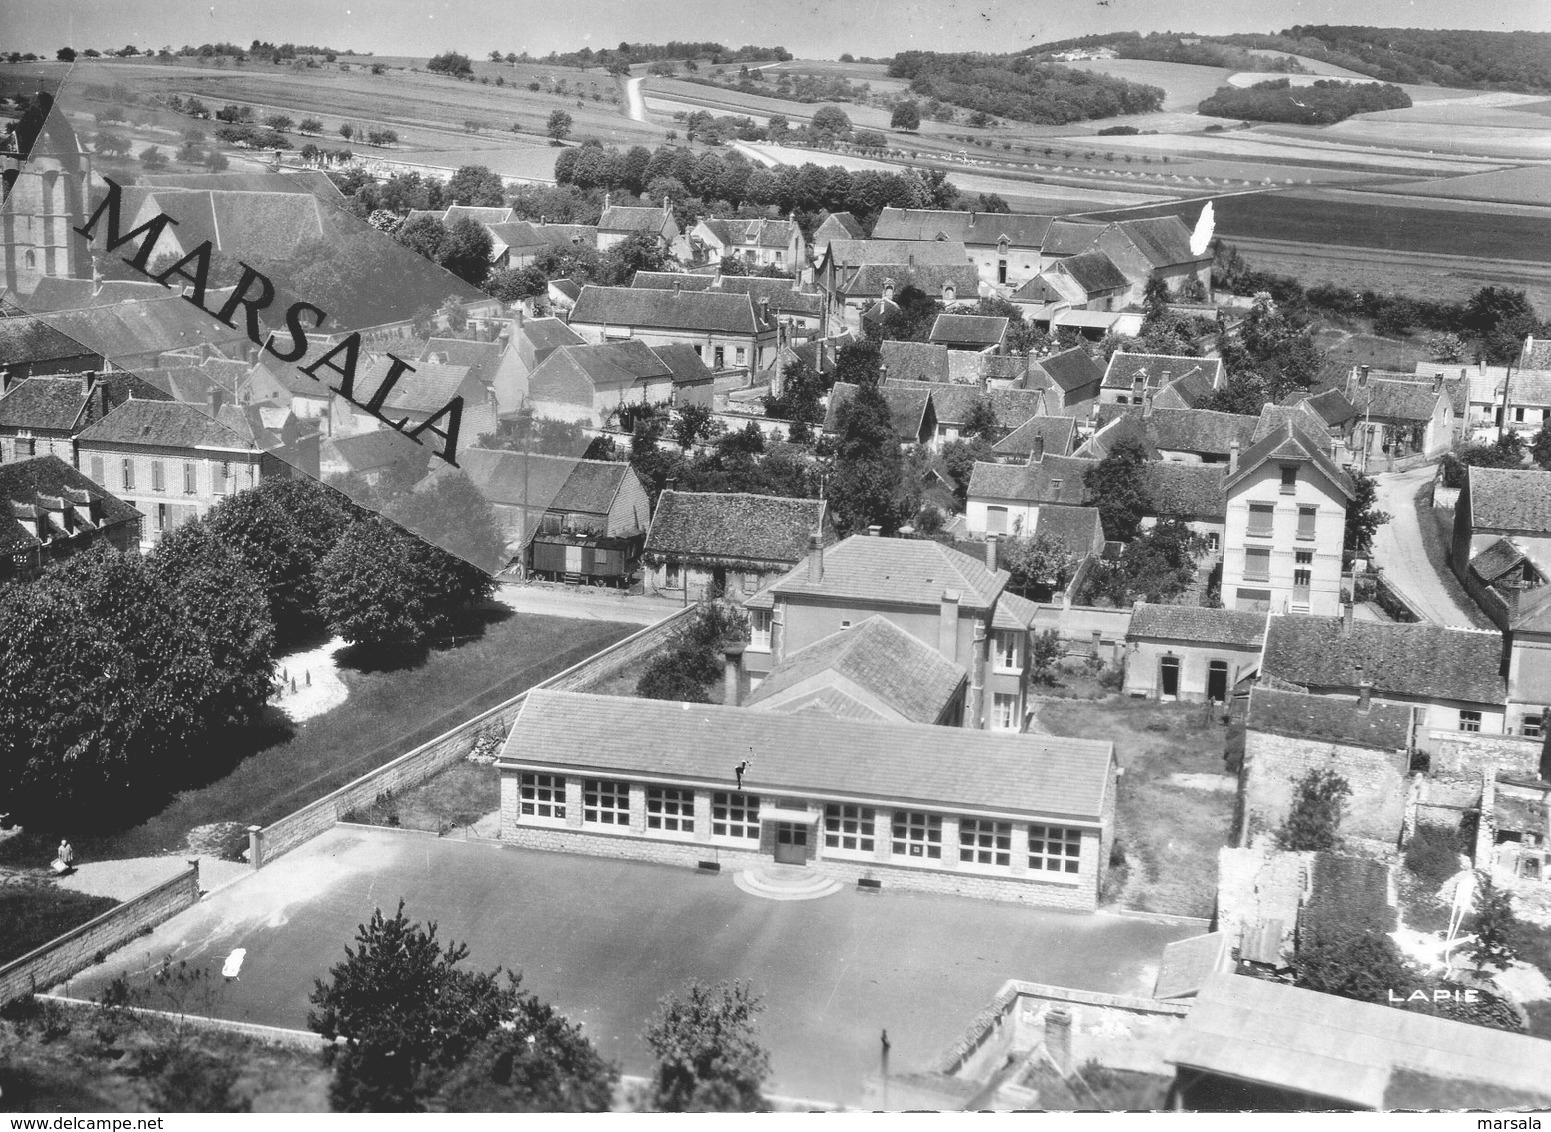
(688, 854)
(1463, 754)
(65, 955)
(430, 758)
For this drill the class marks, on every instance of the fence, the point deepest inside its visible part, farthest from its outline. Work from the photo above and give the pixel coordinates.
(429, 759)
(77, 949)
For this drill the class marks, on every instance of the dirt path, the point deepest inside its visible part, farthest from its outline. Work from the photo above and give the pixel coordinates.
(635, 104)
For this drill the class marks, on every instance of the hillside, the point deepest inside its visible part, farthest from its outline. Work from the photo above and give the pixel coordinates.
(1021, 88)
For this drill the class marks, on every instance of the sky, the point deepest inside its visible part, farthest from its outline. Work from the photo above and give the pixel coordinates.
(820, 29)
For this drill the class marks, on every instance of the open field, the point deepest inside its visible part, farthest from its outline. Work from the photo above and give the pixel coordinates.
(1175, 801)
(1434, 139)
(1530, 184)
(34, 911)
(1184, 84)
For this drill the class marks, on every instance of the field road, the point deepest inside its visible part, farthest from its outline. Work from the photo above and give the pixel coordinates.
(1398, 546)
(584, 604)
(635, 104)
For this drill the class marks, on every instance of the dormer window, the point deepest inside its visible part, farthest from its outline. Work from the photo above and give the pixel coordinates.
(947, 293)
(1289, 479)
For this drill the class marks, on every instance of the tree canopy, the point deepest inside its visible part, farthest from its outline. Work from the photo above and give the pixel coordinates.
(1115, 485)
(708, 1059)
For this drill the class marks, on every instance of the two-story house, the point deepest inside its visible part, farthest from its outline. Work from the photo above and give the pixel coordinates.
(1286, 525)
(173, 461)
(41, 416)
(620, 221)
(1398, 417)
(855, 276)
(1070, 379)
(52, 511)
(1127, 377)
(730, 332)
(1005, 247)
(704, 543)
(532, 340)
(1158, 247)
(589, 383)
(953, 404)
(1191, 436)
(1502, 503)
(761, 242)
(938, 595)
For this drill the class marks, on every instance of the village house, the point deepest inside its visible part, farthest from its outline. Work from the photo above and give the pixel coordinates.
(1186, 653)
(910, 410)
(273, 383)
(559, 514)
(374, 457)
(973, 332)
(704, 543)
(1088, 281)
(939, 595)
(173, 461)
(1502, 503)
(1452, 677)
(124, 336)
(531, 341)
(479, 214)
(515, 244)
(1255, 1045)
(855, 276)
(620, 221)
(912, 361)
(1070, 379)
(55, 511)
(1286, 525)
(1005, 247)
(1398, 418)
(1035, 437)
(953, 404)
(1516, 398)
(42, 416)
(1019, 818)
(835, 226)
(873, 671)
(730, 332)
(1158, 247)
(1288, 734)
(795, 310)
(1190, 436)
(758, 243)
(1128, 376)
(562, 295)
(591, 383)
(422, 396)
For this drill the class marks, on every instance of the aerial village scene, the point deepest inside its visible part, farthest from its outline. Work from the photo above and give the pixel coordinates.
(775, 558)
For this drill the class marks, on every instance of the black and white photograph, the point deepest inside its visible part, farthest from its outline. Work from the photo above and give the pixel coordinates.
(774, 556)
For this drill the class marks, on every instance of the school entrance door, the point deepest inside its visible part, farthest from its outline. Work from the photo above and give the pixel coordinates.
(791, 844)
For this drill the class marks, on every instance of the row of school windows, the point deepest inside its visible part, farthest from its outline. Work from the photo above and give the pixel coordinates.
(914, 834)
(222, 480)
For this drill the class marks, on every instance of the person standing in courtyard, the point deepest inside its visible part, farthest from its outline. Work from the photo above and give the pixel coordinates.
(65, 860)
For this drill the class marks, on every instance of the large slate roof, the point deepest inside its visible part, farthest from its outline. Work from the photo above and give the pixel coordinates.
(1057, 432)
(1427, 661)
(976, 330)
(879, 659)
(907, 403)
(1164, 240)
(915, 361)
(1509, 499)
(1071, 370)
(1196, 624)
(1124, 369)
(735, 529)
(714, 311)
(899, 571)
(56, 404)
(1094, 272)
(172, 424)
(955, 768)
(553, 483)
(1021, 229)
(1329, 719)
(46, 486)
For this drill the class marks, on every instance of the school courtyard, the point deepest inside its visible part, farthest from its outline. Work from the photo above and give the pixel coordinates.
(604, 940)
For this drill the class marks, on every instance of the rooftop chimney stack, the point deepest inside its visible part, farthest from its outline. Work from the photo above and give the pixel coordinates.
(1147, 404)
(1364, 695)
(1058, 1037)
(1438, 382)
(1362, 376)
(217, 399)
(732, 674)
(874, 531)
(948, 625)
(991, 553)
(1137, 384)
(815, 559)
(1039, 450)
(1233, 456)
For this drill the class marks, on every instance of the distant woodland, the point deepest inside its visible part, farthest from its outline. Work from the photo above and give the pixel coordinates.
(1319, 104)
(1021, 88)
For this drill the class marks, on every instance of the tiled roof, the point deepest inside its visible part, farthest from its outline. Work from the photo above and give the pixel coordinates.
(375, 450)
(1199, 431)
(1333, 408)
(46, 485)
(1014, 612)
(583, 234)
(1184, 392)
(671, 280)
(1289, 442)
(1164, 240)
(1049, 286)
(897, 253)
(267, 225)
(712, 311)
(1385, 399)
(608, 366)
(1330, 719)
(1299, 414)
(1423, 660)
(57, 404)
(553, 483)
(1071, 370)
(898, 571)
(781, 295)
(1078, 529)
(1021, 229)
(848, 224)
(759, 530)
(483, 214)
(1055, 479)
(1509, 499)
(915, 361)
(570, 288)
(1124, 369)
(311, 182)
(1069, 237)
(1193, 623)
(1358, 1054)
(1496, 560)
(1191, 491)
(633, 218)
(55, 293)
(969, 329)
(1186, 963)
(684, 364)
(929, 278)
(547, 334)
(517, 234)
(481, 358)
(879, 659)
(907, 406)
(1094, 272)
(427, 390)
(942, 767)
(171, 424)
(123, 330)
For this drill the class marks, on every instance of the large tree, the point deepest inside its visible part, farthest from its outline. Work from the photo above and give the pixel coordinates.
(708, 1059)
(419, 1032)
(476, 185)
(280, 555)
(639, 251)
(869, 485)
(1363, 518)
(466, 251)
(1117, 487)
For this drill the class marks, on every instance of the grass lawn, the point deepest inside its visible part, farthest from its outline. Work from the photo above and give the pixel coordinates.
(1343, 351)
(387, 713)
(34, 913)
(1169, 828)
(459, 796)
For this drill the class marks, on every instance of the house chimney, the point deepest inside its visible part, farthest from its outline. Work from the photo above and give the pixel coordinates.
(815, 559)
(608, 199)
(1164, 380)
(1438, 382)
(1039, 450)
(217, 399)
(948, 625)
(1137, 384)
(1233, 456)
(874, 531)
(666, 209)
(732, 674)
(1058, 1037)
(1362, 376)
(1147, 405)
(991, 555)
(1364, 695)
(5, 380)
(1346, 620)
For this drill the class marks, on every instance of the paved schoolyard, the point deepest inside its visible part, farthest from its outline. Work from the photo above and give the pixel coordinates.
(604, 940)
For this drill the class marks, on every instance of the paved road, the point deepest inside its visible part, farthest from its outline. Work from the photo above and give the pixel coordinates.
(1398, 547)
(603, 940)
(634, 101)
(586, 604)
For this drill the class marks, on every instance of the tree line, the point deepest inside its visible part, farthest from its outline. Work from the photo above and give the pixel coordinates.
(1021, 88)
(1318, 104)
